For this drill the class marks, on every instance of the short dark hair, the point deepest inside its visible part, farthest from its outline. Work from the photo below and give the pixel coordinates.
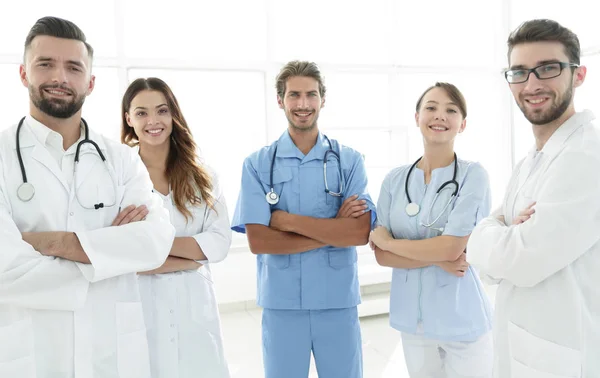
(302, 69)
(452, 91)
(544, 30)
(59, 28)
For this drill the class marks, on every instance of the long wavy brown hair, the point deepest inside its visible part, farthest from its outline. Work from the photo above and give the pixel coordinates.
(189, 180)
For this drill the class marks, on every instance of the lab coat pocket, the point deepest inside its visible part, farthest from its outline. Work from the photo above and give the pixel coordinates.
(132, 345)
(534, 357)
(276, 261)
(342, 257)
(16, 350)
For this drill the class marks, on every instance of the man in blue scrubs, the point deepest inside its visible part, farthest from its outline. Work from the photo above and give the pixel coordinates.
(303, 221)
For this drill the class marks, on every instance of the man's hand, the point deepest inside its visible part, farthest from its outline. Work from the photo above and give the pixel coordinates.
(457, 267)
(352, 207)
(130, 214)
(380, 236)
(280, 220)
(524, 215)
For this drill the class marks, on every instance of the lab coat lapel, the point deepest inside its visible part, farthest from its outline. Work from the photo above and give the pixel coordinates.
(42, 156)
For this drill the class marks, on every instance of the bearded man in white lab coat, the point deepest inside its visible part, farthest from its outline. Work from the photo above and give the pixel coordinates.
(69, 300)
(543, 244)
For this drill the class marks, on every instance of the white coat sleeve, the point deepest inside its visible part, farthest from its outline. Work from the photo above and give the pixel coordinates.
(564, 226)
(29, 279)
(134, 247)
(215, 238)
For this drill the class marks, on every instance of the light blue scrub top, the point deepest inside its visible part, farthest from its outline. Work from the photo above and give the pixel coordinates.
(322, 278)
(449, 308)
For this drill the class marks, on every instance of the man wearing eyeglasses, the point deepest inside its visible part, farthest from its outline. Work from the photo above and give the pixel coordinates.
(543, 244)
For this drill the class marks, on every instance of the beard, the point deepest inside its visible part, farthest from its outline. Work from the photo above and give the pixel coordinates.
(557, 109)
(55, 107)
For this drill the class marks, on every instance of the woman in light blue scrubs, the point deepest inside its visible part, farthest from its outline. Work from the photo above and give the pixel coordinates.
(426, 212)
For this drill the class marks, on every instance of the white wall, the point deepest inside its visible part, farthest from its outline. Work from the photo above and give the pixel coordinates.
(221, 58)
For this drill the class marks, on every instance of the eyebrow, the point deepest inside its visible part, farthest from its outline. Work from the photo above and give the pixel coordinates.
(539, 63)
(435, 102)
(48, 59)
(144, 108)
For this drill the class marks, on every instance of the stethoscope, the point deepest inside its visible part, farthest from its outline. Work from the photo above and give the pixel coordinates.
(273, 198)
(413, 209)
(26, 190)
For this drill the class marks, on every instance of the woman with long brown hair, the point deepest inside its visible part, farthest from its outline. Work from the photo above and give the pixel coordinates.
(180, 307)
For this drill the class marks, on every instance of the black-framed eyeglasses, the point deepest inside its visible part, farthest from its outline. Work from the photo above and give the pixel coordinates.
(542, 72)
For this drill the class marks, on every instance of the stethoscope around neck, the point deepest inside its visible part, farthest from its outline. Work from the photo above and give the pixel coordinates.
(412, 209)
(26, 190)
(273, 198)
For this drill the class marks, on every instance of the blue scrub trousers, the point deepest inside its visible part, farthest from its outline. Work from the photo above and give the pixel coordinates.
(332, 335)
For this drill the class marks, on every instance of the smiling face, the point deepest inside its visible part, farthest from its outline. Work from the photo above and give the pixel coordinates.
(544, 101)
(439, 117)
(301, 102)
(57, 72)
(150, 117)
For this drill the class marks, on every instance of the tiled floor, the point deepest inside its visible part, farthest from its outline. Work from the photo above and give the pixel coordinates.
(382, 349)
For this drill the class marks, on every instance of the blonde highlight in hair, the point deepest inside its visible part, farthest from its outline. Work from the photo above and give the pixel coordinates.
(190, 182)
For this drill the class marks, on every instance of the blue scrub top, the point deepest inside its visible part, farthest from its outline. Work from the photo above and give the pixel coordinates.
(322, 278)
(449, 308)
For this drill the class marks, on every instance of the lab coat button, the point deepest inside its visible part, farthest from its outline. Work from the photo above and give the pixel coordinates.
(71, 213)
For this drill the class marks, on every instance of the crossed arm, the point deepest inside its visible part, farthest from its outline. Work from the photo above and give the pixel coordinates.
(66, 245)
(290, 233)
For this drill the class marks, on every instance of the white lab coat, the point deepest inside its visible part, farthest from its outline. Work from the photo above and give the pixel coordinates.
(62, 319)
(180, 308)
(547, 321)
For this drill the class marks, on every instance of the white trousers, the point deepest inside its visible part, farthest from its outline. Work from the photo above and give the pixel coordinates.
(429, 358)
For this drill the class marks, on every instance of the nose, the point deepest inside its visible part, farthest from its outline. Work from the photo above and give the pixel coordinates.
(303, 102)
(532, 84)
(59, 75)
(151, 120)
(440, 115)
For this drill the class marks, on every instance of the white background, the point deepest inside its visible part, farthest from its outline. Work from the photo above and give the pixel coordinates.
(221, 58)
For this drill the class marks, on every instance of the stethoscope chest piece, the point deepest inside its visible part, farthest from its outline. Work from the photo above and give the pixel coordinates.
(25, 192)
(412, 209)
(272, 198)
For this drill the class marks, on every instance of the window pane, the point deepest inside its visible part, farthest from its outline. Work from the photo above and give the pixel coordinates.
(441, 33)
(102, 107)
(584, 22)
(335, 31)
(227, 30)
(486, 137)
(225, 128)
(375, 146)
(97, 25)
(356, 100)
(15, 100)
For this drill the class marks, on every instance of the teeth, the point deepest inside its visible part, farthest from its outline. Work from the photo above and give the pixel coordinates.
(154, 131)
(536, 101)
(57, 92)
(302, 114)
(438, 128)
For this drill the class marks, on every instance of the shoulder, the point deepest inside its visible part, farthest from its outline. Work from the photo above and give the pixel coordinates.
(396, 176)
(260, 160)
(473, 171)
(345, 152)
